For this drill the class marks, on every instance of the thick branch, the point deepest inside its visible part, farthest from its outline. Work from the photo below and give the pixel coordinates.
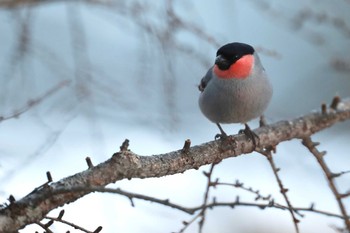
(126, 164)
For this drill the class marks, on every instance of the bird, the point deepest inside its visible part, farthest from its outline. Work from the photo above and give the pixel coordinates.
(236, 89)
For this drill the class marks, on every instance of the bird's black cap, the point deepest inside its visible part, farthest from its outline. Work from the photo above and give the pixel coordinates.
(231, 52)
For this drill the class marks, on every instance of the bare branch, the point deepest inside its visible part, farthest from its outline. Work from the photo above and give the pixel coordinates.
(42, 225)
(193, 210)
(240, 185)
(32, 103)
(283, 190)
(308, 143)
(75, 226)
(126, 164)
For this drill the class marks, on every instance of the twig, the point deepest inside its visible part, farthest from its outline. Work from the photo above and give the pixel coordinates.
(203, 207)
(131, 195)
(206, 195)
(47, 230)
(32, 103)
(240, 185)
(283, 190)
(75, 226)
(308, 143)
(193, 210)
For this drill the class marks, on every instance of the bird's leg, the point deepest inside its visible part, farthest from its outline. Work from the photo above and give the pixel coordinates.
(262, 121)
(222, 134)
(250, 134)
(227, 142)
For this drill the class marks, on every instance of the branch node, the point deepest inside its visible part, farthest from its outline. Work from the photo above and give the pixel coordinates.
(237, 200)
(186, 147)
(284, 190)
(12, 199)
(49, 177)
(98, 229)
(60, 215)
(89, 162)
(49, 223)
(238, 184)
(347, 194)
(125, 145)
(324, 108)
(215, 183)
(314, 144)
(131, 201)
(312, 206)
(323, 153)
(334, 175)
(335, 102)
(206, 174)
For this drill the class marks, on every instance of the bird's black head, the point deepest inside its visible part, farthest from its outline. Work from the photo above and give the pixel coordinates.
(230, 53)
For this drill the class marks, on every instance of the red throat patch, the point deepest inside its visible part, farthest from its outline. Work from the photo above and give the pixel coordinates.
(241, 69)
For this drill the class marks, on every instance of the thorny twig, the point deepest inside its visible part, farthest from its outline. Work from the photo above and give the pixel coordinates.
(45, 227)
(192, 210)
(283, 190)
(59, 219)
(204, 206)
(206, 195)
(308, 143)
(240, 185)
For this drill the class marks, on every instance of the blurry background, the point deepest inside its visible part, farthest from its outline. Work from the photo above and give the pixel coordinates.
(109, 70)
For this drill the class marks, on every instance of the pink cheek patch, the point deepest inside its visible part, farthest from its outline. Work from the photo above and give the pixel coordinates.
(241, 69)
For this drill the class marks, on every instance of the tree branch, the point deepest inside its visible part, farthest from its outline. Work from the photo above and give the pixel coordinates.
(126, 164)
(308, 143)
(283, 190)
(34, 102)
(193, 210)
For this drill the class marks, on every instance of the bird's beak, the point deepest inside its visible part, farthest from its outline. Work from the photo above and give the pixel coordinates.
(222, 63)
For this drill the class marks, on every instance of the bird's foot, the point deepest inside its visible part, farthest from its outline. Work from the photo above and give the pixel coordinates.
(221, 136)
(251, 135)
(227, 142)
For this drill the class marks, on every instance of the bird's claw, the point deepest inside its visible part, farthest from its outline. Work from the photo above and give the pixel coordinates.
(221, 136)
(251, 135)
